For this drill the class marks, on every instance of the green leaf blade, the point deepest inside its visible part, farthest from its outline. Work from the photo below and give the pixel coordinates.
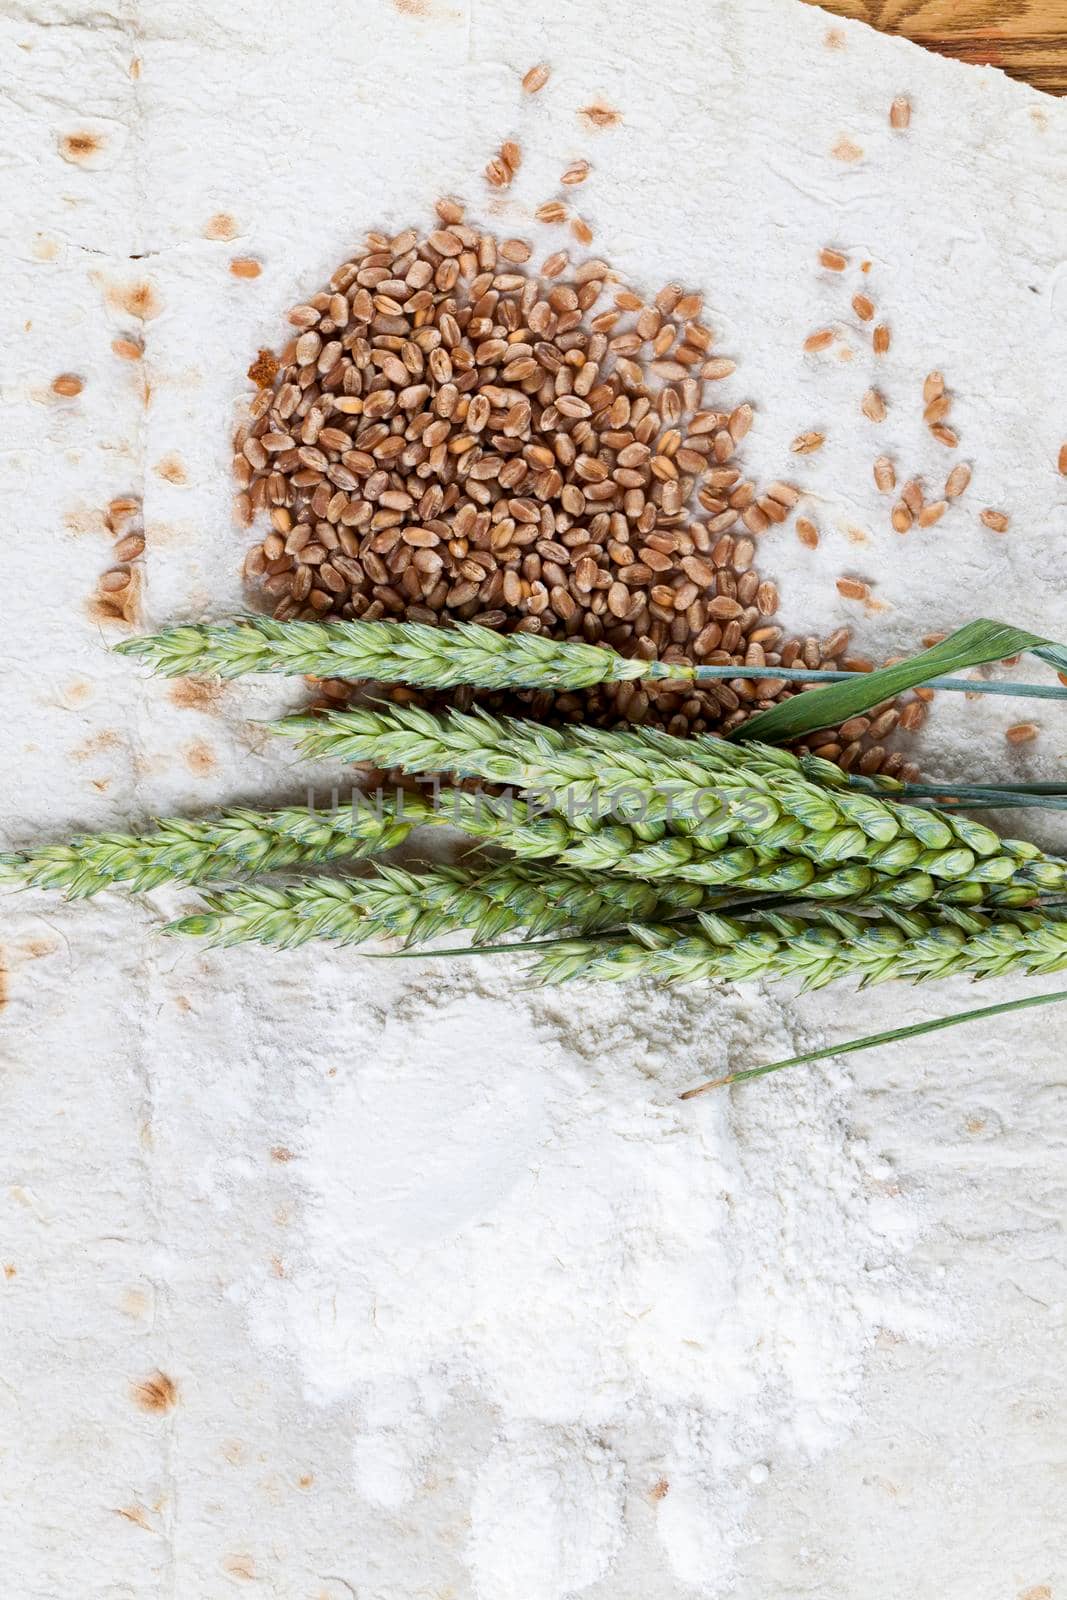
(971, 646)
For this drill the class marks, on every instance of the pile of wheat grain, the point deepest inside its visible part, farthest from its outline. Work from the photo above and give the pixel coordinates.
(449, 435)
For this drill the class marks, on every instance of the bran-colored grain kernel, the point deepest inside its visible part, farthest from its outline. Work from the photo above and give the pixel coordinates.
(912, 717)
(127, 349)
(912, 496)
(551, 211)
(945, 435)
(1061, 461)
(933, 387)
(129, 548)
(863, 306)
(957, 481)
(822, 339)
(885, 475)
(805, 444)
(873, 406)
(901, 517)
(937, 410)
(998, 521)
(245, 267)
(576, 173)
(534, 80)
(1021, 732)
(68, 384)
(581, 231)
(807, 532)
(881, 339)
(900, 113)
(853, 589)
(449, 210)
(833, 260)
(932, 513)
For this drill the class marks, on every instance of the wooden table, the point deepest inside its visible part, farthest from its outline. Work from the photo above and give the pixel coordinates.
(1027, 38)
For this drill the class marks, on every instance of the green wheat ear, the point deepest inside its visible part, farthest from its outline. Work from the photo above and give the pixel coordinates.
(389, 652)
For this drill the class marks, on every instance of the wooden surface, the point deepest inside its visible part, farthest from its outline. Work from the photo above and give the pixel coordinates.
(1027, 38)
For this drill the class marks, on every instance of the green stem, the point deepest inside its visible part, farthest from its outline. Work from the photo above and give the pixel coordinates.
(868, 1042)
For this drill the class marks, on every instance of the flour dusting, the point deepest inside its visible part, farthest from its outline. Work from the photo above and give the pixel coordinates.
(507, 1201)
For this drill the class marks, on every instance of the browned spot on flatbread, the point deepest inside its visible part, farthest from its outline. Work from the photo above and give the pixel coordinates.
(156, 1394)
(171, 468)
(85, 519)
(220, 226)
(599, 115)
(846, 150)
(264, 369)
(240, 1566)
(200, 759)
(98, 744)
(134, 1514)
(79, 148)
(139, 300)
(195, 694)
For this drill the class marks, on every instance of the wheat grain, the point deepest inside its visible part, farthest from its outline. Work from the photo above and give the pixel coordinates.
(998, 521)
(957, 481)
(873, 406)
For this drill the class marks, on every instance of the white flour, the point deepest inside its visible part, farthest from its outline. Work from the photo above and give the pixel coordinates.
(653, 1299)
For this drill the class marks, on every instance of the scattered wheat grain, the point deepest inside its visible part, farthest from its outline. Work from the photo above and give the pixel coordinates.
(957, 481)
(873, 406)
